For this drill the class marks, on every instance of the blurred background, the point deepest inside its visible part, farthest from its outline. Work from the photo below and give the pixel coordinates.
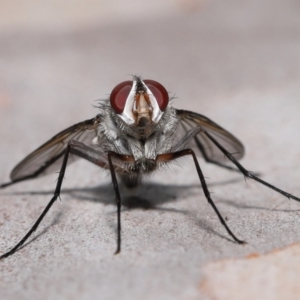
(237, 62)
(76, 51)
(57, 57)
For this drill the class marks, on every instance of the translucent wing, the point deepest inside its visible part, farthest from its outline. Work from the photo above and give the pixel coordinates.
(189, 120)
(48, 157)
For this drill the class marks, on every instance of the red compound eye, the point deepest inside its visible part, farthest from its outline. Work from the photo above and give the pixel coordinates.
(159, 92)
(119, 95)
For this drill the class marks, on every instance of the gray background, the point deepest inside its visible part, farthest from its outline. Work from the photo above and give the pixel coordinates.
(236, 62)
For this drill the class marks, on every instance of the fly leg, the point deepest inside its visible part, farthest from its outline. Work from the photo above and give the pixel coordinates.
(171, 156)
(124, 159)
(115, 163)
(247, 173)
(77, 148)
(54, 198)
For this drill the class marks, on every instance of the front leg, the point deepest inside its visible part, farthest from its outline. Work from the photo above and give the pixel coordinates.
(97, 157)
(41, 217)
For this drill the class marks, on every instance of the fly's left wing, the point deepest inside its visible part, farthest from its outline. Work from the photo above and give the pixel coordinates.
(189, 120)
(48, 157)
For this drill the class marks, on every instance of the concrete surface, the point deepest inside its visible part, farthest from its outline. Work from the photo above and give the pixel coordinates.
(270, 276)
(235, 62)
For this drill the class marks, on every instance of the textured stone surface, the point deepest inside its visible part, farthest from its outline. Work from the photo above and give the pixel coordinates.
(270, 276)
(237, 63)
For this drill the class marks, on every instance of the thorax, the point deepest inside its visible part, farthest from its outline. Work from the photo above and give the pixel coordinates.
(143, 143)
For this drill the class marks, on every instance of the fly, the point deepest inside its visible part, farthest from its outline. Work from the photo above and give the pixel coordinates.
(136, 132)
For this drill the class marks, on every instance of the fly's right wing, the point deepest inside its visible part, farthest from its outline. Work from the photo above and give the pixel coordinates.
(48, 157)
(189, 120)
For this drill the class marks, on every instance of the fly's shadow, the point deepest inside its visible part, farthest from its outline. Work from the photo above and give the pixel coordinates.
(147, 195)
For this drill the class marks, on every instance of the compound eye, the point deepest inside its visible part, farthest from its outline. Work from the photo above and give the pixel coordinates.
(159, 92)
(119, 96)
